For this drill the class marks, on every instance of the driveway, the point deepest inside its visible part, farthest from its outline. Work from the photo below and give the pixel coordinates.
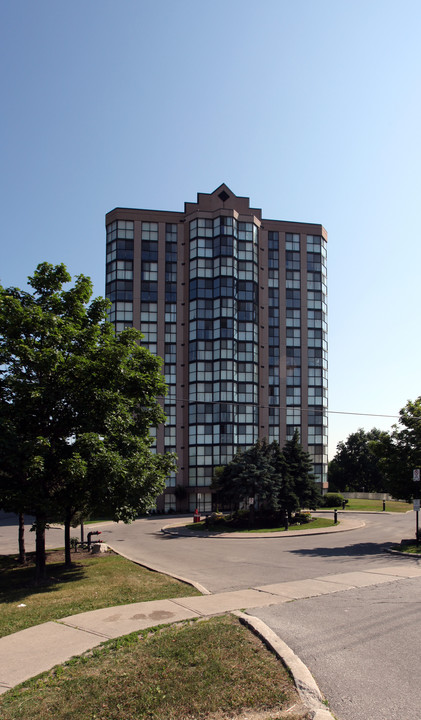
(236, 563)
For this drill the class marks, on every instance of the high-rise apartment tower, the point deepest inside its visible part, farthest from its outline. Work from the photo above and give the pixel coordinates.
(236, 306)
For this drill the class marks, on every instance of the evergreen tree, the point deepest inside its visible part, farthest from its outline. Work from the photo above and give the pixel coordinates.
(286, 496)
(248, 475)
(281, 480)
(300, 470)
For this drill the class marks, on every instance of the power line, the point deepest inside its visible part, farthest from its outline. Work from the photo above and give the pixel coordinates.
(347, 412)
(167, 399)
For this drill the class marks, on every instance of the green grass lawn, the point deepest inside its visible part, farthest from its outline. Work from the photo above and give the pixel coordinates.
(314, 524)
(410, 547)
(94, 581)
(376, 505)
(209, 668)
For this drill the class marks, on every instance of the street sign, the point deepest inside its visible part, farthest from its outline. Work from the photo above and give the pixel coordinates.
(416, 475)
(416, 504)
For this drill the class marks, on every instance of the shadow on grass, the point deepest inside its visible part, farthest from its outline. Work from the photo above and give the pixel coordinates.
(356, 550)
(18, 581)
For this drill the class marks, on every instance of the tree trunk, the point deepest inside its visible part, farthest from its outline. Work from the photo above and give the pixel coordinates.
(67, 555)
(40, 563)
(251, 516)
(21, 539)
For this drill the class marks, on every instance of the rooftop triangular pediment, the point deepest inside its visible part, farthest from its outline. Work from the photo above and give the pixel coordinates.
(222, 198)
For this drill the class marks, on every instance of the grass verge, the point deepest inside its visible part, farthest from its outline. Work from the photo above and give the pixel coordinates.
(377, 505)
(314, 524)
(203, 669)
(409, 546)
(94, 581)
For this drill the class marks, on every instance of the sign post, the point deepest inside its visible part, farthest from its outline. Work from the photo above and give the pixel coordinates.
(416, 478)
(417, 512)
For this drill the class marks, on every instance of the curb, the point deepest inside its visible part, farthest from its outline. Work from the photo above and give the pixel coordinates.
(307, 687)
(182, 532)
(404, 554)
(193, 583)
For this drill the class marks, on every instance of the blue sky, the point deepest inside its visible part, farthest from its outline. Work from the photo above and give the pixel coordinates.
(312, 109)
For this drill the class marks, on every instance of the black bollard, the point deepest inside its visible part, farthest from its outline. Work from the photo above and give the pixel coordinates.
(384, 505)
(335, 516)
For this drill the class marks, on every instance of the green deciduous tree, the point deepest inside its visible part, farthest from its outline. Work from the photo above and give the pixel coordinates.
(77, 404)
(356, 466)
(15, 454)
(399, 452)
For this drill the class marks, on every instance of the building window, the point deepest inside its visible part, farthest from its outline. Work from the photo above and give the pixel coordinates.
(120, 250)
(119, 270)
(201, 501)
(121, 312)
(149, 271)
(169, 502)
(123, 229)
(292, 242)
(149, 231)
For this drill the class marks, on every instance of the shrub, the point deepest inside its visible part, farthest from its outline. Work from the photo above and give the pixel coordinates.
(239, 518)
(216, 518)
(302, 518)
(332, 499)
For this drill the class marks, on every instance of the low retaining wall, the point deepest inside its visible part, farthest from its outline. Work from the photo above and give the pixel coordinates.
(366, 496)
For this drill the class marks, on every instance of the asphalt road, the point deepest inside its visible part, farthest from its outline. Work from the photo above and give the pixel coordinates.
(362, 646)
(9, 535)
(233, 564)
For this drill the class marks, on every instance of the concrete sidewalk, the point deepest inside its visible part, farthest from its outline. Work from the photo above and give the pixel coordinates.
(30, 652)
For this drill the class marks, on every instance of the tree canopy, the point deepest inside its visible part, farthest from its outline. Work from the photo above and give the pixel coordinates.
(77, 405)
(378, 461)
(399, 452)
(355, 466)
